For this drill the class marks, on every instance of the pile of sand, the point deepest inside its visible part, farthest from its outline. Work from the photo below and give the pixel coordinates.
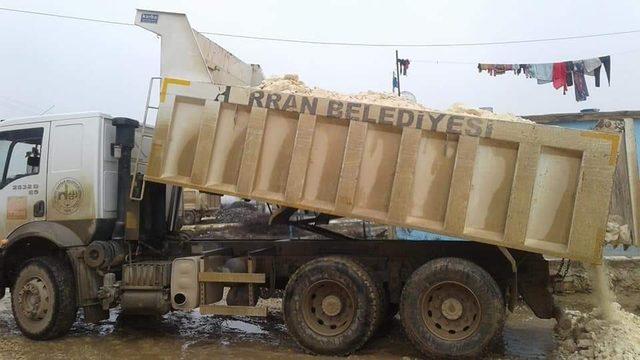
(608, 332)
(592, 337)
(459, 108)
(292, 84)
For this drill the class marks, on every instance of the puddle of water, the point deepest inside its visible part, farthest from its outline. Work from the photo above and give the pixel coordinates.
(527, 337)
(243, 327)
(189, 335)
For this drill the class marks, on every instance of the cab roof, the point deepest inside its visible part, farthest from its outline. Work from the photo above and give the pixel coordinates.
(52, 117)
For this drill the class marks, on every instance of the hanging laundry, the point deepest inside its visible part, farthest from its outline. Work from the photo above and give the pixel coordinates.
(484, 67)
(404, 65)
(596, 71)
(590, 65)
(596, 74)
(578, 79)
(560, 76)
(592, 68)
(606, 61)
(497, 69)
(529, 71)
(569, 71)
(544, 73)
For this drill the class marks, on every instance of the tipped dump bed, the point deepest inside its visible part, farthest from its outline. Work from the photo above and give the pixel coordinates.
(533, 187)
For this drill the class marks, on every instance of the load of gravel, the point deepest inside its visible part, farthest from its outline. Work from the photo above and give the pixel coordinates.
(608, 332)
(291, 84)
(592, 337)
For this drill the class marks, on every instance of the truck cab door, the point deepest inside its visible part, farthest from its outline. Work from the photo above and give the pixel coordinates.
(23, 175)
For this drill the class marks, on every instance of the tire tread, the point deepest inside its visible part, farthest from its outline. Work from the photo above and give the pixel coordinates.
(372, 293)
(444, 266)
(65, 309)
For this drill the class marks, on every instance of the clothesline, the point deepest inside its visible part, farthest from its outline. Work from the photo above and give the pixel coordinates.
(561, 74)
(455, 62)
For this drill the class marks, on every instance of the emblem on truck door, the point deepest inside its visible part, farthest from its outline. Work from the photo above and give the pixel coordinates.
(67, 195)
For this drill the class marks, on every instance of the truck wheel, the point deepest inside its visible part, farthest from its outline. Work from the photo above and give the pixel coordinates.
(43, 298)
(331, 306)
(451, 307)
(189, 218)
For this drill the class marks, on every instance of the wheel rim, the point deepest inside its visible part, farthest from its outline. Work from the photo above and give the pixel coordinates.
(451, 311)
(328, 308)
(34, 299)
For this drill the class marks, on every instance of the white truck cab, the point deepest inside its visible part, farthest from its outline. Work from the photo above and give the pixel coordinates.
(60, 169)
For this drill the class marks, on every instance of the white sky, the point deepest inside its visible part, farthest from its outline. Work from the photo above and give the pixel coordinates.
(79, 66)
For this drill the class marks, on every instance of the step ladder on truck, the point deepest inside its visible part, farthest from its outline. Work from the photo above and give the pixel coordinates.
(102, 229)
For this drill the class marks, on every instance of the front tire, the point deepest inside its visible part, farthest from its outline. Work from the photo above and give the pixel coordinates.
(43, 298)
(331, 306)
(451, 307)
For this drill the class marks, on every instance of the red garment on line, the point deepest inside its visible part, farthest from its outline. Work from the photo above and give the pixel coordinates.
(559, 76)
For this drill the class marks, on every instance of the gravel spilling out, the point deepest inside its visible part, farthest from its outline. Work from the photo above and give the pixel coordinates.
(607, 332)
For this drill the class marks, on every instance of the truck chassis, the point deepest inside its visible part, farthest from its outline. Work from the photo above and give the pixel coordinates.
(452, 296)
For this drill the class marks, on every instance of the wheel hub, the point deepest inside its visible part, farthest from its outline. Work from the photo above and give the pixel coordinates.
(34, 300)
(328, 308)
(451, 311)
(331, 305)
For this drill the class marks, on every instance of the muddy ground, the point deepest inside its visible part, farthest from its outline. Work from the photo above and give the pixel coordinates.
(191, 336)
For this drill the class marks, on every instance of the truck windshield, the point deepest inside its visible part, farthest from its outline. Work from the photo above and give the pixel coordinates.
(19, 153)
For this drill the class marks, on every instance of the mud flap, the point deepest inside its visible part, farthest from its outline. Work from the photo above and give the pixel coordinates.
(533, 285)
(87, 280)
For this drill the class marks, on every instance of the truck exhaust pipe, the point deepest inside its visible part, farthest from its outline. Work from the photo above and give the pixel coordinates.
(121, 149)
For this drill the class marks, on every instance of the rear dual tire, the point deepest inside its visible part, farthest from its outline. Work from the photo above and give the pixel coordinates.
(451, 307)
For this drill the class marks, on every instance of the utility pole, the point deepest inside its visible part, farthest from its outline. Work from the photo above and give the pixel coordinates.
(398, 72)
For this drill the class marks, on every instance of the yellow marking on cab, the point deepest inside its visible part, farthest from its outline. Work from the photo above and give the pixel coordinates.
(165, 85)
(613, 138)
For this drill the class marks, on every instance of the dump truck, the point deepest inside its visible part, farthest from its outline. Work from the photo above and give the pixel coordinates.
(92, 223)
(196, 205)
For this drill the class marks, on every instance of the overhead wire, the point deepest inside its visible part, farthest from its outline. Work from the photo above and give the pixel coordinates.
(338, 43)
(505, 42)
(66, 16)
(453, 62)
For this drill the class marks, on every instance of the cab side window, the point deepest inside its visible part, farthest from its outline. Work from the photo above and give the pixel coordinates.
(19, 154)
